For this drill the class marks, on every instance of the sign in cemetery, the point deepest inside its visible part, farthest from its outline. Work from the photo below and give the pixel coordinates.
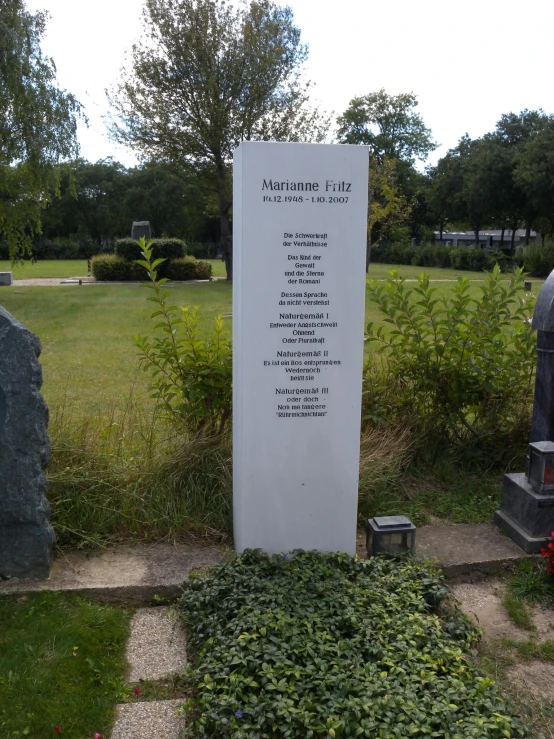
(299, 243)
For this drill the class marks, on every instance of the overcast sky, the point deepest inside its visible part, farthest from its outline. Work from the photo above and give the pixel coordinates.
(468, 62)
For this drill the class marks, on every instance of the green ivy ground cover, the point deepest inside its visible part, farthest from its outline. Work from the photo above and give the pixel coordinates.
(323, 645)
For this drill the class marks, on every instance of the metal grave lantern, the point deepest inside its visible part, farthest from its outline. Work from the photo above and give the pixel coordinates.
(541, 467)
(391, 534)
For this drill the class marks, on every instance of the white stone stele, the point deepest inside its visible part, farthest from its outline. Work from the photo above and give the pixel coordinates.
(296, 452)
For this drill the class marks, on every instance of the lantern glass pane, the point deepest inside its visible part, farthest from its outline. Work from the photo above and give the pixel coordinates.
(548, 475)
(395, 543)
(535, 477)
(369, 541)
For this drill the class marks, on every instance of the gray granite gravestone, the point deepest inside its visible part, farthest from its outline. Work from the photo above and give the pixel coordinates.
(140, 228)
(526, 515)
(26, 537)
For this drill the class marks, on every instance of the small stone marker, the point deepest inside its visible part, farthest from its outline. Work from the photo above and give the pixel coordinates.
(525, 514)
(300, 224)
(5, 278)
(140, 228)
(26, 537)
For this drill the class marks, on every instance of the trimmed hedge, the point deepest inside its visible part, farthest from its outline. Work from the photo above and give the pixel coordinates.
(203, 250)
(461, 258)
(80, 247)
(112, 268)
(161, 249)
(189, 268)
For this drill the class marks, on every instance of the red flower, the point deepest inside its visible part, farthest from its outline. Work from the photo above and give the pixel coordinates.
(58, 729)
(548, 552)
(136, 691)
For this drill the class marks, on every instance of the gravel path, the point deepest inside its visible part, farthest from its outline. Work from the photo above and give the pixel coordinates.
(49, 281)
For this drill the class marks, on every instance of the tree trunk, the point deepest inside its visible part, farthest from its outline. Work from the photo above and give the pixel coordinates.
(502, 236)
(441, 231)
(527, 232)
(476, 234)
(513, 240)
(226, 236)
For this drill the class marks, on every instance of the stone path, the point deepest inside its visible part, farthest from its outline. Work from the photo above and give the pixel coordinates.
(482, 602)
(50, 281)
(156, 649)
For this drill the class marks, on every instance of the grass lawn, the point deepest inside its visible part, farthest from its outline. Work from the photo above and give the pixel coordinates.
(89, 360)
(62, 663)
(48, 268)
(64, 268)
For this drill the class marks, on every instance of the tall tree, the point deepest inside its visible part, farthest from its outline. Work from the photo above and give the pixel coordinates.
(37, 125)
(396, 136)
(534, 173)
(208, 75)
(461, 189)
(389, 125)
(388, 207)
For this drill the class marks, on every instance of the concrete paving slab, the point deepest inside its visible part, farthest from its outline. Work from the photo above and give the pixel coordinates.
(482, 602)
(126, 574)
(467, 550)
(156, 647)
(154, 720)
(537, 677)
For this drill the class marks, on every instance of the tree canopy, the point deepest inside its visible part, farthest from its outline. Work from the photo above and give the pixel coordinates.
(208, 75)
(37, 125)
(389, 125)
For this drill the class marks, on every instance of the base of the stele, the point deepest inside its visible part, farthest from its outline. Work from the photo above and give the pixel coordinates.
(526, 516)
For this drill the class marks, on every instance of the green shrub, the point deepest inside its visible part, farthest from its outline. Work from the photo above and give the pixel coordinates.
(459, 257)
(439, 255)
(203, 270)
(324, 645)
(111, 268)
(459, 368)
(431, 256)
(539, 260)
(161, 249)
(191, 372)
(203, 250)
(189, 268)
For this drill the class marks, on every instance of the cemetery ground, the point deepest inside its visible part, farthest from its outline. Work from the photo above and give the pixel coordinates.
(64, 662)
(117, 476)
(64, 268)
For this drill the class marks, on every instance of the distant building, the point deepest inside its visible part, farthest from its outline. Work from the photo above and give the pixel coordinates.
(486, 238)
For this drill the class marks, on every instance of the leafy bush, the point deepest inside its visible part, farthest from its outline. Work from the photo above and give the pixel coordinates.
(323, 645)
(203, 250)
(111, 268)
(189, 268)
(459, 367)
(161, 249)
(539, 260)
(439, 255)
(191, 372)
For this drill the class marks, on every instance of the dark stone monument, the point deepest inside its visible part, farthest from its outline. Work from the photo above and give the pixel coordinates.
(26, 537)
(526, 514)
(140, 228)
